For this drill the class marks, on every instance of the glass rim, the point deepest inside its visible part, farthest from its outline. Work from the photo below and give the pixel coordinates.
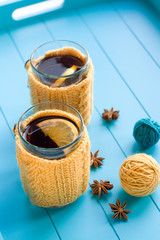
(52, 149)
(53, 76)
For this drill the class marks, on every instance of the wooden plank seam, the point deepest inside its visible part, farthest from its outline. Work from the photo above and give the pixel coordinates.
(134, 34)
(114, 66)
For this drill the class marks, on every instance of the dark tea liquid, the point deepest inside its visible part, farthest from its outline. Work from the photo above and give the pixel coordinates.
(60, 66)
(51, 131)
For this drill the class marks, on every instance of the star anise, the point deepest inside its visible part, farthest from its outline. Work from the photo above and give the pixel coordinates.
(96, 161)
(119, 210)
(110, 115)
(99, 187)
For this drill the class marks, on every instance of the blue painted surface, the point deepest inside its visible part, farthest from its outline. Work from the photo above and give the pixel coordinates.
(123, 42)
(18, 219)
(156, 4)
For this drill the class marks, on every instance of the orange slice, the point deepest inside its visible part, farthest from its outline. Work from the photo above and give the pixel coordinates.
(69, 71)
(61, 131)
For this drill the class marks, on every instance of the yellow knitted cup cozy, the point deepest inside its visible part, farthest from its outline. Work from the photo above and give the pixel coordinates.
(78, 95)
(57, 182)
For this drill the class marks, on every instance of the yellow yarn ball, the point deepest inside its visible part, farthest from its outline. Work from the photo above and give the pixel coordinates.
(139, 175)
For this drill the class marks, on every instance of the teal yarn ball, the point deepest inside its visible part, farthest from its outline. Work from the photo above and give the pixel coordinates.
(146, 132)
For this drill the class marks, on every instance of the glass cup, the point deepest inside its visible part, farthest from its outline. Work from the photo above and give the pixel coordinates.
(60, 116)
(69, 66)
(53, 176)
(62, 71)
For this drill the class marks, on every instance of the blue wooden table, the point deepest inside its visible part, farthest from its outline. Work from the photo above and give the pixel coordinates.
(123, 40)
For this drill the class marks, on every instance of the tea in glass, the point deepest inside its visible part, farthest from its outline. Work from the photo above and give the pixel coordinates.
(51, 130)
(60, 63)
